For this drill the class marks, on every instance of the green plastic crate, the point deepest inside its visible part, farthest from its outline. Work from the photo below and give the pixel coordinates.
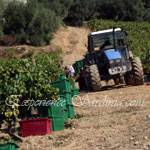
(62, 76)
(71, 113)
(73, 86)
(75, 93)
(50, 111)
(63, 85)
(62, 101)
(9, 146)
(78, 65)
(68, 96)
(65, 114)
(57, 124)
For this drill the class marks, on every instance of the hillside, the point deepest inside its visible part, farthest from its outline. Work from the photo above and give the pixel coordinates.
(71, 41)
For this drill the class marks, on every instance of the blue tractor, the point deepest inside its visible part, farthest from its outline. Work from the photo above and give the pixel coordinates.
(108, 57)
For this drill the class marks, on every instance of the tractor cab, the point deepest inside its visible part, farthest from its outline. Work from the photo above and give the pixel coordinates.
(106, 39)
(109, 51)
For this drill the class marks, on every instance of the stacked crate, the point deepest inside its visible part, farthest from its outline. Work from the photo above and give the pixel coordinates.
(78, 65)
(64, 108)
(75, 92)
(65, 90)
(55, 113)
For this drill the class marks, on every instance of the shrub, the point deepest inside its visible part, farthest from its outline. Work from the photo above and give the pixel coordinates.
(30, 78)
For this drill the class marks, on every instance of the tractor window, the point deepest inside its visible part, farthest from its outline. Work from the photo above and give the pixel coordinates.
(120, 43)
(97, 42)
(101, 41)
(123, 52)
(106, 44)
(107, 36)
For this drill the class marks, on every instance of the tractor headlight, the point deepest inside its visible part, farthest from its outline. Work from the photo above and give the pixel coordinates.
(111, 61)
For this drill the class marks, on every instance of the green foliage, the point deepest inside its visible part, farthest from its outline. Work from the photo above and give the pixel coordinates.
(1, 33)
(12, 112)
(146, 3)
(30, 22)
(60, 7)
(15, 23)
(10, 53)
(30, 53)
(69, 124)
(78, 116)
(80, 11)
(64, 25)
(127, 10)
(30, 78)
(14, 17)
(138, 39)
(37, 20)
(1, 18)
(2, 7)
(43, 24)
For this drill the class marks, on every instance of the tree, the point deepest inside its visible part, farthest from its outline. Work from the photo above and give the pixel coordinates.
(146, 10)
(29, 22)
(2, 7)
(146, 4)
(60, 7)
(126, 10)
(14, 17)
(42, 26)
(134, 10)
(114, 9)
(80, 11)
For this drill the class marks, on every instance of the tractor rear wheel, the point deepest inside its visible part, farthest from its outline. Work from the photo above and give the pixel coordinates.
(136, 77)
(95, 78)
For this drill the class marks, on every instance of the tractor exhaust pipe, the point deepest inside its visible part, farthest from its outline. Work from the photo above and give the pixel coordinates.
(114, 38)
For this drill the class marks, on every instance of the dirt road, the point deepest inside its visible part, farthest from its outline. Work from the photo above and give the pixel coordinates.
(113, 119)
